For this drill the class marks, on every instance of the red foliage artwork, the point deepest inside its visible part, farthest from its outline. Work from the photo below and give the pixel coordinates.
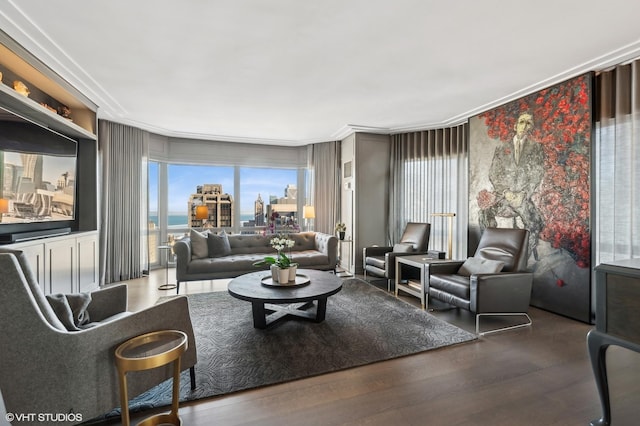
(562, 125)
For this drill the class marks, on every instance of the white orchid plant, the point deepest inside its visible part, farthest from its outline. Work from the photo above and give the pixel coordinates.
(282, 261)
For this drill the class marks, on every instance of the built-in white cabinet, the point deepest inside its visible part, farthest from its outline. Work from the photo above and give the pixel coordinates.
(35, 255)
(65, 264)
(69, 263)
(60, 266)
(88, 276)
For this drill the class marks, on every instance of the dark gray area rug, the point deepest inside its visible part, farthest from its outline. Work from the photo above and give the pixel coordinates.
(363, 325)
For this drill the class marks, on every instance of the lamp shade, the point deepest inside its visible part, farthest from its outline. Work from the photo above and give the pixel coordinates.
(4, 205)
(202, 212)
(309, 212)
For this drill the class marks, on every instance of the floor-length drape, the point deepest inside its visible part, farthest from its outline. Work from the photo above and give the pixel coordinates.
(617, 164)
(123, 153)
(324, 161)
(428, 176)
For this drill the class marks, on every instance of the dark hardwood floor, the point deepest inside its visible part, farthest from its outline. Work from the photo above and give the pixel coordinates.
(539, 375)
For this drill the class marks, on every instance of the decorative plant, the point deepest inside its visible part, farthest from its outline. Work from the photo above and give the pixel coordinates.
(341, 227)
(281, 260)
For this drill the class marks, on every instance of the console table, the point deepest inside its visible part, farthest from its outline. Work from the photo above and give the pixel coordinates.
(617, 321)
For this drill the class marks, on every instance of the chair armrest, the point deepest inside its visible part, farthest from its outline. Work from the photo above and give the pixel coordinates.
(182, 250)
(107, 302)
(443, 266)
(376, 251)
(503, 292)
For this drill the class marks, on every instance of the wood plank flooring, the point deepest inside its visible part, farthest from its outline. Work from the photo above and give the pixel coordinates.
(539, 375)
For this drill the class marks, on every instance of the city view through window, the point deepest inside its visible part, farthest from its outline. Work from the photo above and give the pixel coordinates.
(265, 200)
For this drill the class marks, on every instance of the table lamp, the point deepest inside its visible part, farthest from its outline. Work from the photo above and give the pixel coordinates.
(202, 213)
(4, 207)
(308, 212)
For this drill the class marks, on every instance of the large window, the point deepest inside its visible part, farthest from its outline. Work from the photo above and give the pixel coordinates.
(269, 199)
(185, 181)
(239, 200)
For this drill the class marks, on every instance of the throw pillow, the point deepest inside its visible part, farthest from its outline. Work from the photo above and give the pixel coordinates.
(199, 249)
(403, 248)
(478, 265)
(71, 309)
(218, 245)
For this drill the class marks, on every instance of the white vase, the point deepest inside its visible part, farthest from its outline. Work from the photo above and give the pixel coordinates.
(274, 273)
(292, 271)
(283, 275)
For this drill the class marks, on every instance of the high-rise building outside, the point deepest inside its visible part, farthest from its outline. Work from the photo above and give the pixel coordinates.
(259, 211)
(220, 207)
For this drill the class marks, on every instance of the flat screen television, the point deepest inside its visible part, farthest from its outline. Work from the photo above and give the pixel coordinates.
(37, 176)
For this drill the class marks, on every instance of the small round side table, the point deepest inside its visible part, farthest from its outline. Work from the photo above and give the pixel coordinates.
(149, 351)
(166, 285)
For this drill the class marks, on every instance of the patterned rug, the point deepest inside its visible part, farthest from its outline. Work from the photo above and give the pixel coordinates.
(363, 325)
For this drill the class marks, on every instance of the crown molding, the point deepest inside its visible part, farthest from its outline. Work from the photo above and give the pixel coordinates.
(199, 136)
(619, 56)
(349, 129)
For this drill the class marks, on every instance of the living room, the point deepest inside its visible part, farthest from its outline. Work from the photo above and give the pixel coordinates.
(404, 143)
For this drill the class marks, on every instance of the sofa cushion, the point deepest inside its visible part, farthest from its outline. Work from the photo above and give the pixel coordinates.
(456, 285)
(303, 241)
(251, 244)
(199, 248)
(218, 245)
(232, 263)
(478, 265)
(306, 258)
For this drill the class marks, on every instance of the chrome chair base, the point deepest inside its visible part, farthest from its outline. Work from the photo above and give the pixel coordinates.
(511, 327)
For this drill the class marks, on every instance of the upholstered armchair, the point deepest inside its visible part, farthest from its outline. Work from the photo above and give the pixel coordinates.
(44, 368)
(380, 261)
(492, 282)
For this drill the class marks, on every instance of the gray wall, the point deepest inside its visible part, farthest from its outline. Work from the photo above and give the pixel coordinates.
(365, 195)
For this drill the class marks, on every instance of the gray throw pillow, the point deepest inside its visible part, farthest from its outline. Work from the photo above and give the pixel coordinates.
(478, 265)
(218, 245)
(71, 309)
(199, 248)
(403, 248)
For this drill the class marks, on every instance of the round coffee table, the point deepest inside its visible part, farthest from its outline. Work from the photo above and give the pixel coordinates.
(270, 304)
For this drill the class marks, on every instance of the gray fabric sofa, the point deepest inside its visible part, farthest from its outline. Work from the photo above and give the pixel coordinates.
(47, 369)
(312, 250)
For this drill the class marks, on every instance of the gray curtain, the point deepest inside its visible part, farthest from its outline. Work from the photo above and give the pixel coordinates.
(123, 152)
(429, 176)
(617, 164)
(324, 165)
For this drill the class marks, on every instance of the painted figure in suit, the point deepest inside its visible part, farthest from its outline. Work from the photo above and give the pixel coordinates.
(515, 173)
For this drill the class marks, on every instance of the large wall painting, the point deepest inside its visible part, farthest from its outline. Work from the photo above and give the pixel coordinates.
(529, 167)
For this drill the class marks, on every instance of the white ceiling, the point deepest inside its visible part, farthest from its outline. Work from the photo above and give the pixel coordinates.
(292, 72)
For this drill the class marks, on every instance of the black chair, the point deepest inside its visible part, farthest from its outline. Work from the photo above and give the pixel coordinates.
(380, 261)
(492, 282)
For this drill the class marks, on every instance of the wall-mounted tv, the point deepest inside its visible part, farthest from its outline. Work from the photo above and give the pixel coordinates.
(37, 174)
